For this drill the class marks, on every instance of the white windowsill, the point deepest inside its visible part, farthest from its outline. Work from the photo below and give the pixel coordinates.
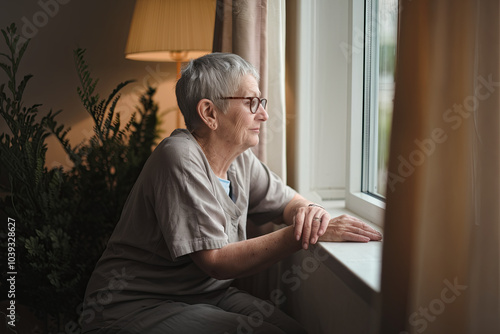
(358, 265)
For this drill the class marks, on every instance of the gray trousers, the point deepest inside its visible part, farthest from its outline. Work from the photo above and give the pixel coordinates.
(233, 312)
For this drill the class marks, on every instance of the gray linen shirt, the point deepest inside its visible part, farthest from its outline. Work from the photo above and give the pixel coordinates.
(176, 207)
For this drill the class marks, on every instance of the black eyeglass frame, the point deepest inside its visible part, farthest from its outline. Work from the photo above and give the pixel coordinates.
(262, 102)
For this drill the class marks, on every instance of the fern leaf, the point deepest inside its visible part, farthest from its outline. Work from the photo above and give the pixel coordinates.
(6, 68)
(22, 86)
(22, 49)
(38, 171)
(116, 126)
(115, 91)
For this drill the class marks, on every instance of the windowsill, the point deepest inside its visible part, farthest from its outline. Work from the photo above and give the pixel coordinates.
(358, 265)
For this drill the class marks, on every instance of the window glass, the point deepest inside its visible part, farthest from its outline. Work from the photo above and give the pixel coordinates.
(380, 58)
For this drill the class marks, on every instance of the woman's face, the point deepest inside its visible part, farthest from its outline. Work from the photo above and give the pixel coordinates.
(239, 126)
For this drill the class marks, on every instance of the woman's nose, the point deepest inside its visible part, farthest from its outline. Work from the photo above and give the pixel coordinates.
(262, 113)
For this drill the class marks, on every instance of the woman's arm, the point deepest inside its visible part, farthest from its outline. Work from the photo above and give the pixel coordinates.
(244, 258)
(251, 256)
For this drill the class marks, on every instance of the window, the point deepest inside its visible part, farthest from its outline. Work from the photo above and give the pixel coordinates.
(380, 31)
(373, 36)
(335, 155)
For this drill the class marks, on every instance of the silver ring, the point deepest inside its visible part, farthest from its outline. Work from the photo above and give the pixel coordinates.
(316, 218)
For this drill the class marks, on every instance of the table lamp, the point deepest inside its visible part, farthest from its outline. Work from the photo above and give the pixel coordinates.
(171, 31)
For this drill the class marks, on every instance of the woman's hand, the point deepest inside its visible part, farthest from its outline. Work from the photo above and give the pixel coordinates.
(313, 224)
(348, 228)
(310, 223)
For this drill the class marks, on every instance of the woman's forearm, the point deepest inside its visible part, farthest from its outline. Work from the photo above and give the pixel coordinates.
(247, 257)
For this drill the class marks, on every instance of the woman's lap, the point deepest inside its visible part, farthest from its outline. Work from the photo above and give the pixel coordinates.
(257, 312)
(236, 312)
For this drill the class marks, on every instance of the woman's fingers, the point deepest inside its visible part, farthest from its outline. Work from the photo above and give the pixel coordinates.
(319, 220)
(357, 226)
(348, 228)
(370, 232)
(315, 226)
(310, 223)
(299, 224)
(325, 219)
(319, 225)
(349, 236)
(306, 231)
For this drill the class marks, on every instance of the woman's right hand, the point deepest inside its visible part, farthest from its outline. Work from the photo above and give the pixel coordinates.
(349, 228)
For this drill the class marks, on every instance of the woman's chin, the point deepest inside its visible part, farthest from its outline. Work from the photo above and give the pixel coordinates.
(255, 142)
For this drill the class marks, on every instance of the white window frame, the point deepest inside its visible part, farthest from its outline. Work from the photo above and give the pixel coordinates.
(309, 106)
(365, 205)
(346, 29)
(321, 73)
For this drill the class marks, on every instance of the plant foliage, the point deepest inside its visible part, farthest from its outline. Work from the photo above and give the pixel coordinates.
(64, 218)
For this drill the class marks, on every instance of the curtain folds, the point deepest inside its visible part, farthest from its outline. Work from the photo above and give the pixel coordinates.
(441, 257)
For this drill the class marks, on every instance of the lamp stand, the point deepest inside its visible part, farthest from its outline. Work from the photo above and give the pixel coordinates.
(178, 56)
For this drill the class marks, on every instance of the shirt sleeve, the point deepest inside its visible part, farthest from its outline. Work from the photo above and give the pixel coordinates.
(268, 193)
(185, 202)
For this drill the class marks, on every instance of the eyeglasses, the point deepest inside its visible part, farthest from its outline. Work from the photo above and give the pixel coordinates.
(254, 102)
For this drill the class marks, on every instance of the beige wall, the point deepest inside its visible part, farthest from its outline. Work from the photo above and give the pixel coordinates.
(320, 300)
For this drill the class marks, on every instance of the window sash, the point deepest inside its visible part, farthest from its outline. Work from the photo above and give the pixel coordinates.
(377, 62)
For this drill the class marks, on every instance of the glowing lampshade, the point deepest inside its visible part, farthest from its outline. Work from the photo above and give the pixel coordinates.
(171, 30)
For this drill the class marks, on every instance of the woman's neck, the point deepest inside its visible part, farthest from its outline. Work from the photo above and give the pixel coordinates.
(219, 156)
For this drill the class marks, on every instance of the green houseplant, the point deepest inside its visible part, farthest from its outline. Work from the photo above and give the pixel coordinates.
(64, 218)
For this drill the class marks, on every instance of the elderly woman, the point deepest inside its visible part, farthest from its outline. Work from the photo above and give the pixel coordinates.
(181, 239)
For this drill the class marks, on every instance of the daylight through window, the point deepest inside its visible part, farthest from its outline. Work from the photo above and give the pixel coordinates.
(381, 23)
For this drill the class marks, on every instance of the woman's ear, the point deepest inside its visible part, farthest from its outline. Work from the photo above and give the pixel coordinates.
(207, 112)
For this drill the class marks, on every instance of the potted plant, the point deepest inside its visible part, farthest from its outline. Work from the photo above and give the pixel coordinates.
(63, 218)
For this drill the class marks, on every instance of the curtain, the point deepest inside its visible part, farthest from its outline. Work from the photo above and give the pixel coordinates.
(441, 256)
(275, 140)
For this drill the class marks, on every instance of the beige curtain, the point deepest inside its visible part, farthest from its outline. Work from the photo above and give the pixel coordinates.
(441, 257)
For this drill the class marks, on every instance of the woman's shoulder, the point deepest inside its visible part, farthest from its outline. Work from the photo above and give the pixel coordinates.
(177, 149)
(179, 141)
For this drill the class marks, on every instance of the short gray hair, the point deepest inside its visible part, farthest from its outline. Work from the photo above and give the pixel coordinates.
(210, 77)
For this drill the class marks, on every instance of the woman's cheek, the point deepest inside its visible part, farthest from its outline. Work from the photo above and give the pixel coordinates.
(240, 127)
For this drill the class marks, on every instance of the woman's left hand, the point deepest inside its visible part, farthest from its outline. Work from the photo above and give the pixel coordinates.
(310, 223)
